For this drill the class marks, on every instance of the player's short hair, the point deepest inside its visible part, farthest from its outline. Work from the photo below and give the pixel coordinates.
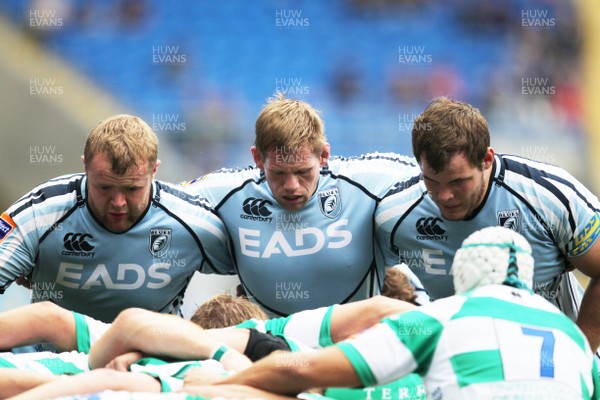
(127, 142)
(447, 128)
(397, 286)
(285, 125)
(493, 255)
(225, 310)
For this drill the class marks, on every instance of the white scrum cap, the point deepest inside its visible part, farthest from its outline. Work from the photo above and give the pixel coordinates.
(493, 255)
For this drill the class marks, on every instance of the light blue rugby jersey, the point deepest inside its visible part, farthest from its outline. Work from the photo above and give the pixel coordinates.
(548, 206)
(320, 255)
(76, 263)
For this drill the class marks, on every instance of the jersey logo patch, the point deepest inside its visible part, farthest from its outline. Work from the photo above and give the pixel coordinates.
(430, 228)
(6, 225)
(78, 244)
(160, 241)
(255, 209)
(329, 202)
(510, 219)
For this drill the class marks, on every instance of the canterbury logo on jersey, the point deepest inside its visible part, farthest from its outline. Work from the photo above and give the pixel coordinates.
(430, 229)
(77, 244)
(256, 209)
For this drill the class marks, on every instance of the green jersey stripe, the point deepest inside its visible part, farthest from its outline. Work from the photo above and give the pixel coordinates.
(358, 362)
(496, 308)
(477, 367)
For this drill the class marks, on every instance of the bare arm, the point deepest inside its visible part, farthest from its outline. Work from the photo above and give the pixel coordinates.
(348, 319)
(29, 324)
(292, 373)
(163, 335)
(15, 381)
(589, 313)
(92, 382)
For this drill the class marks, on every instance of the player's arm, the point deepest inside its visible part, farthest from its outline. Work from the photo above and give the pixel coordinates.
(14, 381)
(163, 335)
(348, 319)
(42, 322)
(589, 312)
(92, 382)
(292, 373)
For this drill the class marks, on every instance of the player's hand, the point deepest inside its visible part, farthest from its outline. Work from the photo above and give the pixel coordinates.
(23, 281)
(122, 362)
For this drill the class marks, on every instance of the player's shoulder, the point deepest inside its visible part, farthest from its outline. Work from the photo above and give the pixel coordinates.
(179, 196)
(532, 169)
(373, 160)
(541, 180)
(57, 186)
(56, 193)
(225, 177)
(374, 172)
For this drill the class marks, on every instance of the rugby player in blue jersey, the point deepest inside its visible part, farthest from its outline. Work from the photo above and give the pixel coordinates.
(464, 186)
(301, 222)
(113, 237)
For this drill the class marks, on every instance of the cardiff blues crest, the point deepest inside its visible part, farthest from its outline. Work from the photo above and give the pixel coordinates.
(510, 219)
(160, 241)
(330, 202)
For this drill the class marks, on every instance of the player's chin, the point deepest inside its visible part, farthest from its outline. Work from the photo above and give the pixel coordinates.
(453, 214)
(118, 226)
(292, 204)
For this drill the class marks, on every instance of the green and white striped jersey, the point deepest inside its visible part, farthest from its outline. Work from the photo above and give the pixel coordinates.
(171, 374)
(495, 342)
(46, 362)
(312, 329)
(305, 329)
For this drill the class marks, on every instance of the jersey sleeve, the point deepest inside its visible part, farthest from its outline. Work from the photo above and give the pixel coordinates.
(310, 327)
(391, 210)
(198, 215)
(564, 206)
(216, 185)
(375, 172)
(24, 224)
(88, 330)
(394, 348)
(17, 253)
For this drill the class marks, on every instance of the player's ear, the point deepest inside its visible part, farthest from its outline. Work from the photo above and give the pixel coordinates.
(155, 167)
(83, 162)
(258, 160)
(488, 159)
(325, 153)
